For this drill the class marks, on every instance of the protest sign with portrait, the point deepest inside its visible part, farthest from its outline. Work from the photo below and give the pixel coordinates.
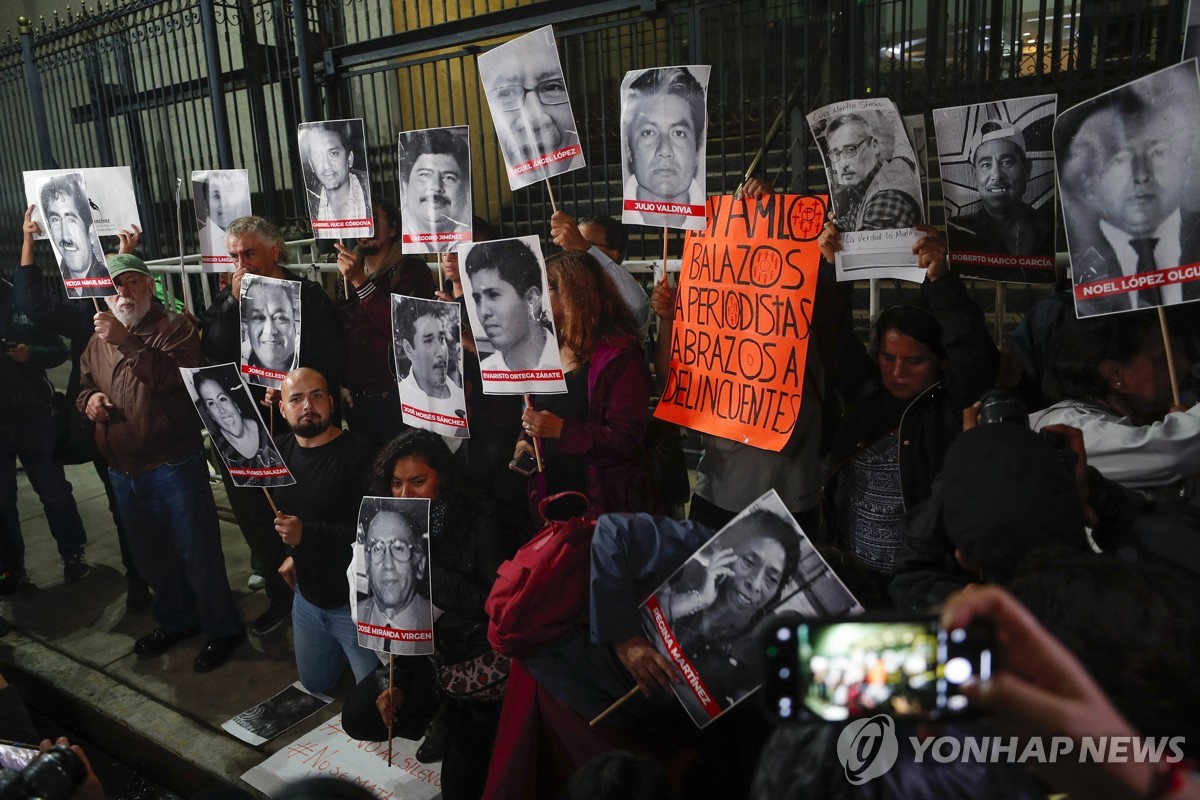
(270, 314)
(221, 196)
(1126, 173)
(435, 189)
(874, 186)
(509, 308)
(238, 434)
(288, 708)
(704, 617)
(338, 184)
(527, 94)
(112, 205)
(997, 164)
(426, 336)
(664, 127)
(390, 587)
(70, 225)
(739, 341)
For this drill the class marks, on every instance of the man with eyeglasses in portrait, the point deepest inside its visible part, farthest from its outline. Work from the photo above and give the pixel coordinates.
(530, 108)
(318, 522)
(396, 564)
(872, 192)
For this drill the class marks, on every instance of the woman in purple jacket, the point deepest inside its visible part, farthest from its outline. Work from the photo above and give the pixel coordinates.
(592, 437)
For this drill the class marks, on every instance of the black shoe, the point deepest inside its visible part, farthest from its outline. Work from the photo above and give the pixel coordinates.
(270, 620)
(160, 641)
(11, 580)
(434, 746)
(75, 568)
(137, 596)
(217, 652)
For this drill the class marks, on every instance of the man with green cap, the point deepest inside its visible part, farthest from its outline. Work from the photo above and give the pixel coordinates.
(148, 430)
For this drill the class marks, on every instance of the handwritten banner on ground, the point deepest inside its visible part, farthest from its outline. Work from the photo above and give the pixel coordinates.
(742, 314)
(328, 751)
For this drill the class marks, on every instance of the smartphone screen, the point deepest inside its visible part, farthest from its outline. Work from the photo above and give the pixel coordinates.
(16, 758)
(846, 669)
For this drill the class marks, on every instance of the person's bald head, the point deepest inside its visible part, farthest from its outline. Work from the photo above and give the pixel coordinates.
(307, 404)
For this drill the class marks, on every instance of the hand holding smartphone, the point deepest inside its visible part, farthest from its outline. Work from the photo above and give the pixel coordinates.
(525, 464)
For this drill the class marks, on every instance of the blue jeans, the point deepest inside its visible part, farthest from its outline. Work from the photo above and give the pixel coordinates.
(325, 639)
(175, 539)
(32, 440)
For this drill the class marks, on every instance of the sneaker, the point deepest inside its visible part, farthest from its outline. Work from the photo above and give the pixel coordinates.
(256, 582)
(11, 580)
(268, 621)
(75, 568)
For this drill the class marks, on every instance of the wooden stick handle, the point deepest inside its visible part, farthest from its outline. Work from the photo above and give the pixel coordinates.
(1001, 296)
(96, 302)
(391, 686)
(1162, 321)
(441, 273)
(537, 445)
(628, 696)
(274, 507)
(549, 191)
(666, 243)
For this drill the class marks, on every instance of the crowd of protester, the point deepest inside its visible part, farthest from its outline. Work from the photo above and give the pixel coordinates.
(910, 491)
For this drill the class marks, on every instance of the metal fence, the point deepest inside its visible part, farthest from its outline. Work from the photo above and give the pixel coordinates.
(171, 86)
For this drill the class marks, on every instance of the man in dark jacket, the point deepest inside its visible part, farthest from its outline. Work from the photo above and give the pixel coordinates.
(257, 248)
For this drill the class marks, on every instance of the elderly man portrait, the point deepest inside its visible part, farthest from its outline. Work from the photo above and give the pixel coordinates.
(530, 108)
(663, 126)
(148, 431)
(1004, 223)
(317, 522)
(1123, 172)
(72, 232)
(257, 248)
(873, 190)
(328, 152)
(435, 185)
(396, 570)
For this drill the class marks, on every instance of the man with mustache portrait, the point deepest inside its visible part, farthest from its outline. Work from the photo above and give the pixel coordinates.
(435, 184)
(72, 233)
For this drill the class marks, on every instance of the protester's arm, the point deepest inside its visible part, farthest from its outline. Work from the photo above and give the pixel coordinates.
(631, 292)
(1042, 690)
(46, 350)
(663, 304)
(158, 367)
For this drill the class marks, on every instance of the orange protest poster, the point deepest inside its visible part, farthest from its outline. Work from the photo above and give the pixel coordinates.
(742, 313)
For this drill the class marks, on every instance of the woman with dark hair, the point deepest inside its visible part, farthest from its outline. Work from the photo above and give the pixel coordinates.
(931, 362)
(506, 285)
(235, 430)
(1110, 378)
(592, 436)
(466, 548)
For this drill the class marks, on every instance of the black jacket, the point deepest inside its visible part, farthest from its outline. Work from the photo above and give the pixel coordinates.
(24, 388)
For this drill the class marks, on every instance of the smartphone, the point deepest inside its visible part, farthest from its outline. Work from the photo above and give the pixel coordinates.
(844, 668)
(525, 464)
(17, 756)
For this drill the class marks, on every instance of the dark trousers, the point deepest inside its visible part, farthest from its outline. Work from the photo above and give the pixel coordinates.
(257, 523)
(175, 538)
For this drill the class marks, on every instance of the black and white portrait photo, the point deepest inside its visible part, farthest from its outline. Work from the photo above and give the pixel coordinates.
(265, 721)
(221, 196)
(238, 434)
(435, 189)
(334, 154)
(111, 200)
(664, 122)
(703, 619)
(64, 203)
(270, 315)
(509, 309)
(428, 365)
(391, 603)
(870, 164)
(997, 163)
(527, 94)
(1127, 174)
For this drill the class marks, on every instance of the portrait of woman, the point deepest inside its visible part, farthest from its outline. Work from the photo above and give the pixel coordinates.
(270, 328)
(237, 432)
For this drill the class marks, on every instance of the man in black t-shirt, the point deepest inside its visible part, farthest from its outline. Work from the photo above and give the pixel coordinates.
(317, 522)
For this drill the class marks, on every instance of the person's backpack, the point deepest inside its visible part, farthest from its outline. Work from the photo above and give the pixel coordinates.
(542, 592)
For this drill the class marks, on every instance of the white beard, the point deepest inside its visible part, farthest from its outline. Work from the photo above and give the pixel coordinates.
(129, 316)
